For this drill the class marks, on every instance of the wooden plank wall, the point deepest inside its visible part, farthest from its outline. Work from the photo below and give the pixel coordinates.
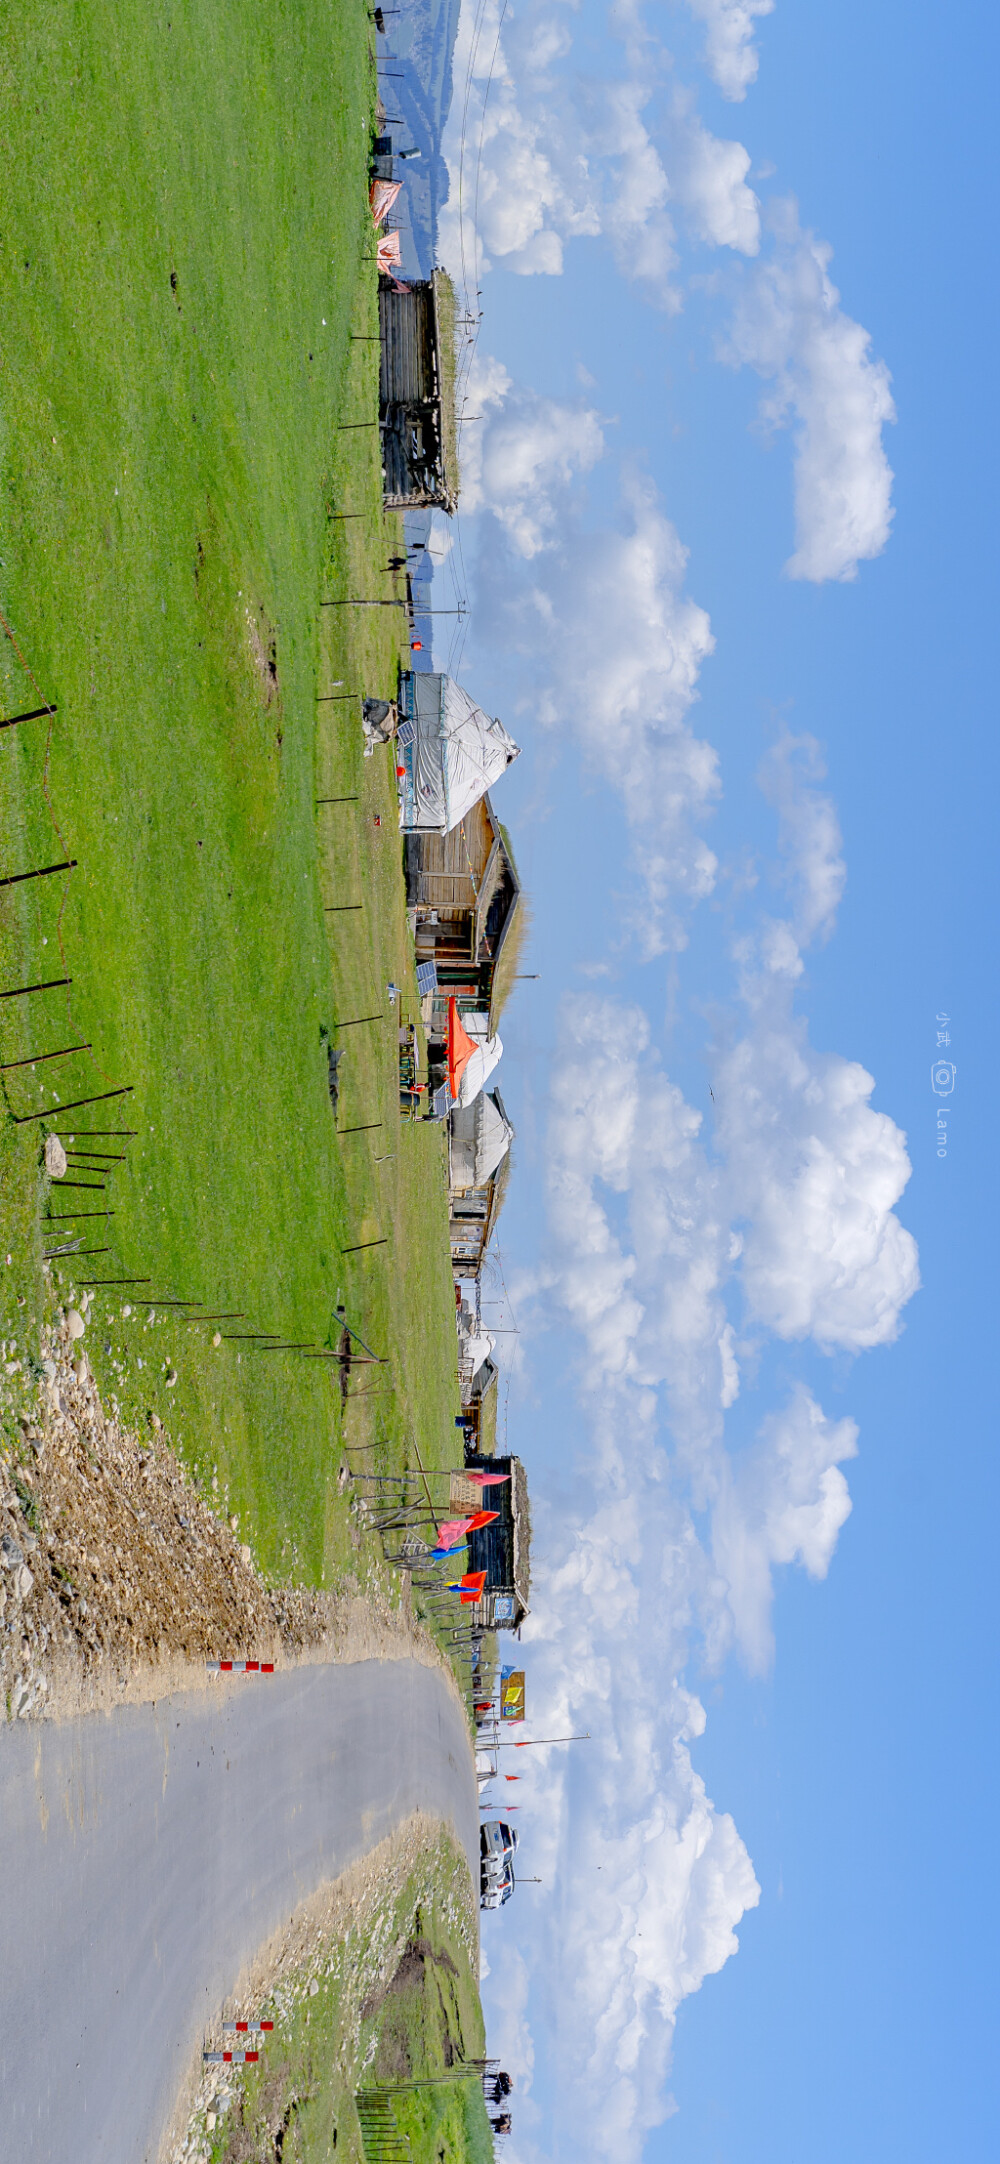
(452, 866)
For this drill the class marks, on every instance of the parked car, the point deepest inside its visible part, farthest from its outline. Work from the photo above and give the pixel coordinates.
(497, 1848)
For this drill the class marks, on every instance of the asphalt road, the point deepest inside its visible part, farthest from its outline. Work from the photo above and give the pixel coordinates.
(146, 1855)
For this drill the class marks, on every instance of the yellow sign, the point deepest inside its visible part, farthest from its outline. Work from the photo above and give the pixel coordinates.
(512, 1694)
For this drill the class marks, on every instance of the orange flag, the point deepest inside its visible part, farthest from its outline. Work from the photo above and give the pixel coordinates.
(460, 1048)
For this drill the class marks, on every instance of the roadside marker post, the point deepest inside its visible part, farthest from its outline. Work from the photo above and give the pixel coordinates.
(230, 2058)
(240, 1668)
(246, 2028)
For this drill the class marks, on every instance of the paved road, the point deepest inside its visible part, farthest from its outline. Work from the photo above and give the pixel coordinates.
(146, 1855)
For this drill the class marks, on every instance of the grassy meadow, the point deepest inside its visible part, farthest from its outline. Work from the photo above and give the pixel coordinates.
(189, 294)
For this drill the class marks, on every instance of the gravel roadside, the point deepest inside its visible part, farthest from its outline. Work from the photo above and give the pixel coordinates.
(118, 1581)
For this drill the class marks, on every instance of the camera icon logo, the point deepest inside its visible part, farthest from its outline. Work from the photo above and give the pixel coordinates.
(943, 1077)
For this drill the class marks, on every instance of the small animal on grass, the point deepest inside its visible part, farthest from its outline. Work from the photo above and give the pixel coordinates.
(334, 1055)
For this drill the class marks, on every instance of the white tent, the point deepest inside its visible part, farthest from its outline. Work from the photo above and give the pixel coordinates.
(475, 1350)
(481, 1135)
(455, 755)
(479, 1068)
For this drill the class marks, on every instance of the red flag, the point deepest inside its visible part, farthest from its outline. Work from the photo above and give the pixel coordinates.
(486, 1480)
(481, 1518)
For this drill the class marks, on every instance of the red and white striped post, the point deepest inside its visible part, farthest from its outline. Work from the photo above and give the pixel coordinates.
(240, 1668)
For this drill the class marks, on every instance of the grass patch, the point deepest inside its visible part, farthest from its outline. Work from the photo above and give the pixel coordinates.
(395, 2002)
(186, 254)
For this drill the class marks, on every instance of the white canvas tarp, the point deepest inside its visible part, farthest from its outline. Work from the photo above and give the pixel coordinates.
(481, 1135)
(475, 1350)
(457, 754)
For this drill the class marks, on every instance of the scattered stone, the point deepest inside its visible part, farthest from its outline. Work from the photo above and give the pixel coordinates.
(313, 1988)
(171, 1378)
(55, 1158)
(169, 1583)
(217, 1338)
(75, 1323)
(81, 1369)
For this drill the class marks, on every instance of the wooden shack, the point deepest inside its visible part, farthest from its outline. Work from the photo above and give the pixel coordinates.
(503, 1549)
(479, 1409)
(417, 393)
(464, 896)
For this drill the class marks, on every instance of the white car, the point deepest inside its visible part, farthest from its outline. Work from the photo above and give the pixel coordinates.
(497, 1848)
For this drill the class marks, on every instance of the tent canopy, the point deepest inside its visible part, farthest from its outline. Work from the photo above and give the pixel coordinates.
(478, 1348)
(457, 754)
(472, 1055)
(481, 1135)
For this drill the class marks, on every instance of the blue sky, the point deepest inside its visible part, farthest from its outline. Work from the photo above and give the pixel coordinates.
(760, 867)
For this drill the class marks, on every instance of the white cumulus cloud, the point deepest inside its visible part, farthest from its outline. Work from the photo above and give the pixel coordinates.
(814, 1174)
(675, 1534)
(540, 154)
(812, 864)
(610, 647)
(520, 458)
(783, 1502)
(709, 178)
(790, 327)
(644, 1880)
(731, 56)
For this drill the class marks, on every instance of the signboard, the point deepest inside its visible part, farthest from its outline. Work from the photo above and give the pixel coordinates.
(464, 1494)
(503, 1607)
(512, 1694)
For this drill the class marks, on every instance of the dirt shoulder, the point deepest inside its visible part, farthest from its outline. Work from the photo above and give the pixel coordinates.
(118, 1582)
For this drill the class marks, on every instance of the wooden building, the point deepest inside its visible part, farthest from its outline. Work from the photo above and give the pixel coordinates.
(464, 897)
(479, 1408)
(417, 393)
(503, 1550)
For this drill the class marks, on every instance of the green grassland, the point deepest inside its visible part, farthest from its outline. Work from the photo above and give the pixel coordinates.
(395, 2012)
(188, 296)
